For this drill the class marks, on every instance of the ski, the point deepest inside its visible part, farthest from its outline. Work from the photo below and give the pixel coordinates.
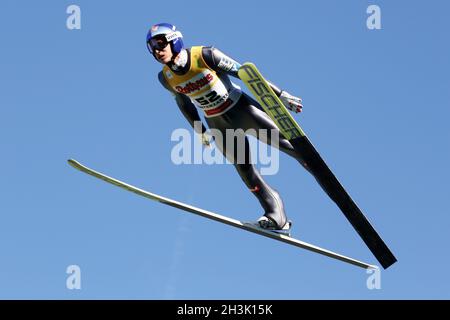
(273, 106)
(220, 218)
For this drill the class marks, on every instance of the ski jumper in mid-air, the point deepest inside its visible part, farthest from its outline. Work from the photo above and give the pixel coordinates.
(199, 77)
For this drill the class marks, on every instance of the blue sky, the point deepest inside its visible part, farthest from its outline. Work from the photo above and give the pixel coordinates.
(376, 106)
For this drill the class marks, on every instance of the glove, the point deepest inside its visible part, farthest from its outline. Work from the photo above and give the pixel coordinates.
(206, 139)
(292, 103)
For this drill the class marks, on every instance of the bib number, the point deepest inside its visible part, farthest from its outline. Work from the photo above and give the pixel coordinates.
(208, 98)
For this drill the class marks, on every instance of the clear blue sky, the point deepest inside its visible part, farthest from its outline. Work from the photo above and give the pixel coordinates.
(376, 105)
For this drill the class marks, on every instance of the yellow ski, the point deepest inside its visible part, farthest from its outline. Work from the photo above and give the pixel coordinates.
(290, 129)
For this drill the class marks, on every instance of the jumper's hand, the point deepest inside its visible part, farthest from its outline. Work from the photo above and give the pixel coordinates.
(206, 139)
(292, 103)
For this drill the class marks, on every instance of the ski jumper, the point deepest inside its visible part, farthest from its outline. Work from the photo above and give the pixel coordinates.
(204, 83)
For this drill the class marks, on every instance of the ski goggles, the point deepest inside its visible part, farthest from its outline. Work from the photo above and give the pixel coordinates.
(160, 42)
(157, 44)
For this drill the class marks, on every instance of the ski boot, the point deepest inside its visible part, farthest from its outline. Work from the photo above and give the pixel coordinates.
(270, 225)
